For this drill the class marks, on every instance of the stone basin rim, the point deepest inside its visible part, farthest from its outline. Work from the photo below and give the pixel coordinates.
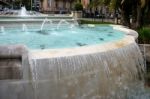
(129, 38)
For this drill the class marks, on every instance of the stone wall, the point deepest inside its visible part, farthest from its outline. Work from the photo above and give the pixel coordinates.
(11, 62)
(145, 49)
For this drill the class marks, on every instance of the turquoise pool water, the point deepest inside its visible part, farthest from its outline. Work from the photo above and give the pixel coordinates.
(65, 36)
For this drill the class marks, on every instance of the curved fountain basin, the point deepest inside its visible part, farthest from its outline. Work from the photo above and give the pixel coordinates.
(26, 16)
(51, 36)
(125, 40)
(103, 71)
(11, 17)
(128, 39)
(34, 18)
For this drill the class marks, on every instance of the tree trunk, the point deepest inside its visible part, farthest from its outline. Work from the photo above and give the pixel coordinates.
(125, 12)
(125, 20)
(134, 14)
(139, 16)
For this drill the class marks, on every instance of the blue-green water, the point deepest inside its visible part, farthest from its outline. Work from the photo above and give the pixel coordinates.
(66, 36)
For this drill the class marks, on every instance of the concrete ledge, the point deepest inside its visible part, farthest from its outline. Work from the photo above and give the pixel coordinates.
(77, 14)
(126, 30)
(12, 51)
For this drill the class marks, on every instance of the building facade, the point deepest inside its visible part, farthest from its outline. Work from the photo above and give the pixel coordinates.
(54, 5)
(49, 5)
(85, 3)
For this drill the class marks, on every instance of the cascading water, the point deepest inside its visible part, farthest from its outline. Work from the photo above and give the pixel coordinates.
(114, 74)
(46, 20)
(107, 75)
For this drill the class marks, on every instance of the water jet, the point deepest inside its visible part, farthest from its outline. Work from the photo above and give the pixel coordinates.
(2, 29)
(23, 12)
(24, 28)
(46, 20)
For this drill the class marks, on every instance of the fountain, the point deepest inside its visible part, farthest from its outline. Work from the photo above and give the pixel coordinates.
(88, 64)
(23, 12)
(23, 16)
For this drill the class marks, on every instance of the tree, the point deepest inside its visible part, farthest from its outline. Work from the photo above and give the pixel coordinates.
(16, 3)
(135, 9)
(78, 7)
(27, 4)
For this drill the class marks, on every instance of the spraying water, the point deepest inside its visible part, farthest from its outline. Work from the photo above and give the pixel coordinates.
(24, 28)
(23, 11)
(62, 22)
(72, 26)
(46, 20)
(2, 29)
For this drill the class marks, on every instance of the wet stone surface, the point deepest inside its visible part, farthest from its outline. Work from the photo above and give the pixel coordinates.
(145, 49)
(10, 69)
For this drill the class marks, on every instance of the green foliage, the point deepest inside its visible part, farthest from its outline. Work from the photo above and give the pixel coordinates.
(96, 3)
(17, 2)
(78, 7)
(144, 35)
(27, 4)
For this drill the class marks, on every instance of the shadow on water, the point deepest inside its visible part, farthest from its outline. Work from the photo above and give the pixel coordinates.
(109, 34)
(81, 44)
(101, 39)
(42, 46)
(43, 32)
